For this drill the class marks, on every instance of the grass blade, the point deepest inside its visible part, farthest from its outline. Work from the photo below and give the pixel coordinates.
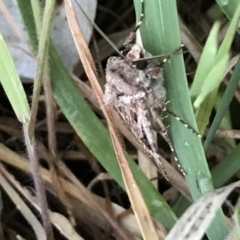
(204, 111)
(206, 61)
(12, 84)
(229, 8)
(17, 97)
(196, 219)
(160, 35)
(212, 79)
(227, 167)
(225, 102)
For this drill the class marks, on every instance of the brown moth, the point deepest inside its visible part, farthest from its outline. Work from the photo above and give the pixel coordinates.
(134, 88)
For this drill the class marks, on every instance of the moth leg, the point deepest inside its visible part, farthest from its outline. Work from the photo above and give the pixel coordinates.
(183, 122)
(164, 133)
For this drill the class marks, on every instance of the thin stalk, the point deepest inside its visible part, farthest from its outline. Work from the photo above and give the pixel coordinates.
(42, 57)
(28, 129)
(38, 183)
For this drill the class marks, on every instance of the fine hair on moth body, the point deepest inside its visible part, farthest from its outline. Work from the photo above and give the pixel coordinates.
(134, 88)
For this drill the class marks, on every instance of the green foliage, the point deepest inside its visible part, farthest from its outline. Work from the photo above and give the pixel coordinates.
(12, 84)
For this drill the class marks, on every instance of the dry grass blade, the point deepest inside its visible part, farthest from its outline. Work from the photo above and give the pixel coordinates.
(138, 204)
(74, 190)
(64, 226)
(58, 220)
(197, 218)
(235, 134)
(21, 205)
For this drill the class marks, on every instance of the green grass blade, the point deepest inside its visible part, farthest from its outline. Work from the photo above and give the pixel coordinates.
(12, 84)
(29, 23)
(160, 35)
(181, 205)
(42, 61)
(227, 41)
(223, 107)
(229, 8)
(236, 215)
(206, 61)
(203, 113)
(95, 135)
(37, 14)
(226, 122)
(227, 167)
(212, 79)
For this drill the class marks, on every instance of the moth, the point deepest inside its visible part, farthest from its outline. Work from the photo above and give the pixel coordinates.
(130, 91)
(134, 88)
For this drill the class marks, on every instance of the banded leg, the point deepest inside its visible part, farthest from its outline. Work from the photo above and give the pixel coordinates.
(165, 109)
(183, 122)
(164, 134)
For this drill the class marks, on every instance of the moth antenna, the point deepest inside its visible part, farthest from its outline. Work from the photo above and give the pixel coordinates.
(141, 18)
(111, 43)
(165, 56)
(163, 132)
(171, 55)
(132, 34)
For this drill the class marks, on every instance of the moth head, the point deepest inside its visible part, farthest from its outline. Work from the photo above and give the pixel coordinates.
(140, 63)
(133, 53)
